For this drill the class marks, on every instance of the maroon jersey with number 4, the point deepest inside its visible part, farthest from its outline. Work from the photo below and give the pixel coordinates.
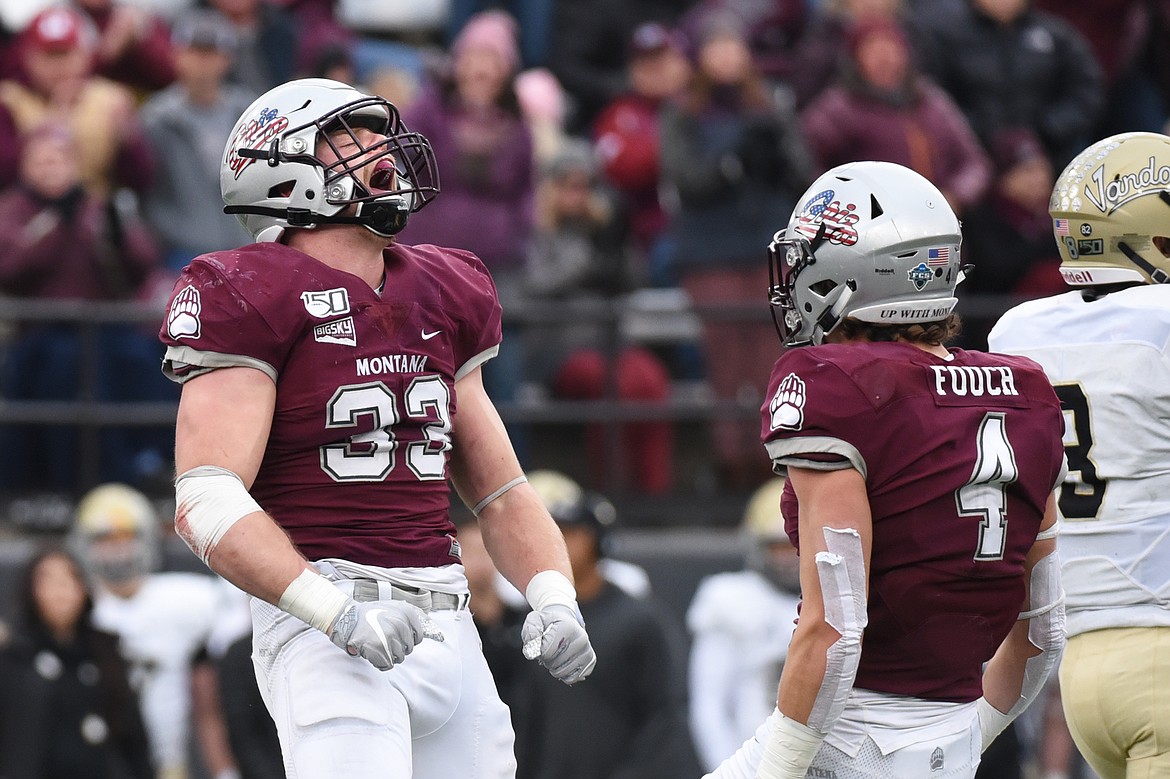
(959, 457)
(356, 461)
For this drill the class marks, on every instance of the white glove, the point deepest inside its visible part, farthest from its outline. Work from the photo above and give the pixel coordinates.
(383, 631)
(556, 635)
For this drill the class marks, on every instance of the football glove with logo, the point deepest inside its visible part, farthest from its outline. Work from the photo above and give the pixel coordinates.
(383, 632)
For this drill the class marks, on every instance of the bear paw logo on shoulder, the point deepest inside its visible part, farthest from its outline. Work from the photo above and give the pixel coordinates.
(787, 406)
(183, 316)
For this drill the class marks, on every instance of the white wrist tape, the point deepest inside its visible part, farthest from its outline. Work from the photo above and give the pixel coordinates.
(789, 750)
(992, 722)
(478, 507)
(208, 501)
(550, 588)
(314, 600)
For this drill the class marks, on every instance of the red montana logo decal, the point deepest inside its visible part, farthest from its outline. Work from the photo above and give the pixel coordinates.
(824, 212)
(256, 134)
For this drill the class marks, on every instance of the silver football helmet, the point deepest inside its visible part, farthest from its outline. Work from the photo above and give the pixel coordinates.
(870, 240)
(272, 177)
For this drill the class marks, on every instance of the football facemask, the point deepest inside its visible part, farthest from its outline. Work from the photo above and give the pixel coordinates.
(274, 177)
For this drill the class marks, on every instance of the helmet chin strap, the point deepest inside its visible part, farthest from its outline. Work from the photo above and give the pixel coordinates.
(1157, 275)
(382, 217)
(832, 315)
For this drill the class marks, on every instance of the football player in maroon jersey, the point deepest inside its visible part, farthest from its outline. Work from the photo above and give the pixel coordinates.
(331, 387)
(920, 483)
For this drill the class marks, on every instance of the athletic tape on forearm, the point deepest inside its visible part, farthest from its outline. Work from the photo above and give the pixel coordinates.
(478, 507)
(1051, 532)
(314, 600)
(789, 750)
(1045, 629)
(1046, 633)
(209, 500)
(842, 574)
(550, 588)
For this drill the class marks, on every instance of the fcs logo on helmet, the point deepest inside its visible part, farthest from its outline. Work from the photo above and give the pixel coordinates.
(1118, 191)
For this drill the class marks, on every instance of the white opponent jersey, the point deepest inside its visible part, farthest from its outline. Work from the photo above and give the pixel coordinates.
(741, 626)
(162, 627)
(1109, 360)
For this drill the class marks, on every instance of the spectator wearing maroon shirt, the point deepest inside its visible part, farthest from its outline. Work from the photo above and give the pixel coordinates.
(473, 119)
(60, 242)
(626, 130)
(883, 109)
(134, 45)
(56, 54)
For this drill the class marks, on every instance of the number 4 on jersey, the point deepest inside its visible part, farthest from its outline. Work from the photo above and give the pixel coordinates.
(985, 494)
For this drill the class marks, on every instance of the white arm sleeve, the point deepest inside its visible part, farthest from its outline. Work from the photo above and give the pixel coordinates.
(1046, 633)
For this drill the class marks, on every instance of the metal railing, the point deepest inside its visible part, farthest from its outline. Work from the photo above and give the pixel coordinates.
(89, 414)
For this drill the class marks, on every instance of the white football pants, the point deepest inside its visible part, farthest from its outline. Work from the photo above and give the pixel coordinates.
(931, 753)
(436, 715)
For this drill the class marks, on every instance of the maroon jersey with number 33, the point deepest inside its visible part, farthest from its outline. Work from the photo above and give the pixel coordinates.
(356, 462)
(959, 457)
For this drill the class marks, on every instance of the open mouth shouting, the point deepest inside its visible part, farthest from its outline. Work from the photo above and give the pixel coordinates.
(384, 177)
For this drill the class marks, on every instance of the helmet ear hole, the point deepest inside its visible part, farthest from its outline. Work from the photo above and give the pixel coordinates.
(284, 189)
(1162, 244)
(823, 287)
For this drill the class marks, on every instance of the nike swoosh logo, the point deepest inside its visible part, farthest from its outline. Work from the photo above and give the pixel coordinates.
(428, 336)
(372, 621)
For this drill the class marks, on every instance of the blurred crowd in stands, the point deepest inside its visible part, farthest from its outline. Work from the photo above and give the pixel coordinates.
(587, 150)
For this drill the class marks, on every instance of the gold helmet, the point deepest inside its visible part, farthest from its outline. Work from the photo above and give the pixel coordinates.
(559, 493)
(570, 504)
(115, 533)
(1111, 212)
(769, 550)
(762, 520)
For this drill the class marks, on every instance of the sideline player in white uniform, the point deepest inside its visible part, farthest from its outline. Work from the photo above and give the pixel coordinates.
(1105, 346)
(332, 392)
(164, 620)
(740, 624)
